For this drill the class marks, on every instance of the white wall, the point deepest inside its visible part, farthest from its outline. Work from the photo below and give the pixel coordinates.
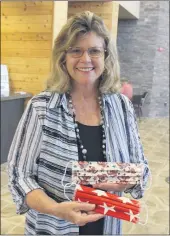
(132, 7)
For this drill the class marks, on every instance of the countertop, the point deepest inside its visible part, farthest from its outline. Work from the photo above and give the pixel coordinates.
(14, 96)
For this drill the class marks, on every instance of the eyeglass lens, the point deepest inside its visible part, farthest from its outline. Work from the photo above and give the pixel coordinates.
(92, 52)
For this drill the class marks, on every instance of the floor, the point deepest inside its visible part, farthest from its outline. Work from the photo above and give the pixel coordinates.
(155, 138)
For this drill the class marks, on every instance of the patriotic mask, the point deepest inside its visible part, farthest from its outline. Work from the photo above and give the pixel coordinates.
(89, 173)
(111, 204)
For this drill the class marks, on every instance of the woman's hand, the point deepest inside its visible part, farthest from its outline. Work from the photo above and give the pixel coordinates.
(113, 187)
(78, 213)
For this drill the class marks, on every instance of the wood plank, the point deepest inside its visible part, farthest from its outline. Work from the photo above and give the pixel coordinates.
(14, 52)
(95, 4)
(31, 84)
(27, 87)
(26, 45)
(19, 4)
(27, 19)
(20, 28)
(25, 61)
(26, 11)
(26, 36)
(29, 69)
(27, 78)
(96, 7)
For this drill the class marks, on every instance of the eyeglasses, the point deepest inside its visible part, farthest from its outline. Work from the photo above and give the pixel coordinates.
(92, 52)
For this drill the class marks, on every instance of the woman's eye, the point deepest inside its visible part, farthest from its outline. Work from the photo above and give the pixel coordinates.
(95, 51)
(76, 51)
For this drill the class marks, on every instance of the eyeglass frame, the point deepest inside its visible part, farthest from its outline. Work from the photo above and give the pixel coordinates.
(104, 50)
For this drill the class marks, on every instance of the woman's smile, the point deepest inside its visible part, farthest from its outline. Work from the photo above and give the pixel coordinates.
(85, 69)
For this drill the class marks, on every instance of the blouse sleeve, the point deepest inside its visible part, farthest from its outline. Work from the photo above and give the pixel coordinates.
(135, 149)
(24, 150)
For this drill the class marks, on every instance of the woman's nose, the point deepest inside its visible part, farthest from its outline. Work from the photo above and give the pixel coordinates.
(85, 56)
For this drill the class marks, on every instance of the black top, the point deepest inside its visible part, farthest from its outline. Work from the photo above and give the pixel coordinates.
(91, 137)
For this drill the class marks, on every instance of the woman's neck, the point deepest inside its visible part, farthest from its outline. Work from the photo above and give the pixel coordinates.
(84, 93)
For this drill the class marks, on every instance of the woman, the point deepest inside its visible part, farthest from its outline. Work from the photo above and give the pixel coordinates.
(81, 116)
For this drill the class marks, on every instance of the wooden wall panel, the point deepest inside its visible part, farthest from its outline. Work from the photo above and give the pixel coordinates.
(26, 43)
(26, 36)
(26, 4)
(108, 11)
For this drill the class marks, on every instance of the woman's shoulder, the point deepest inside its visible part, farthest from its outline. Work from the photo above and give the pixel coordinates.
(44, 98)
(116, 97)
(119, 100)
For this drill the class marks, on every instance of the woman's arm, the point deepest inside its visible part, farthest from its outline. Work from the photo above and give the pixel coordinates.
(136, 152)
(22, 171)
(24, 151)
(39, 201)
(70, 211)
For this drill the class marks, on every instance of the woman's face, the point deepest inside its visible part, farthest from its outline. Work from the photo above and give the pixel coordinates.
(86, 70)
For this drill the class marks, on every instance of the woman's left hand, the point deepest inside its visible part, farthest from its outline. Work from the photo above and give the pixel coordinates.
(113, 187)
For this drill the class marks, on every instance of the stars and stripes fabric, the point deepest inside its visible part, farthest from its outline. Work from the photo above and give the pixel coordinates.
(45, 141)
(109, 204)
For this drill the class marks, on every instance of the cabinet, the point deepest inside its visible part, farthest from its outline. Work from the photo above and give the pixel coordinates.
(12, 108)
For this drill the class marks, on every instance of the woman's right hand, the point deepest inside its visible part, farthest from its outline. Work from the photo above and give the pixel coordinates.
(72, 212)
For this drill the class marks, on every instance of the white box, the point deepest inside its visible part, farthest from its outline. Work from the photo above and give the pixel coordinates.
(4, 81)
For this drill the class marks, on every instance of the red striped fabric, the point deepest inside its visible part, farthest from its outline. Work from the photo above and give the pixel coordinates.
(109, 204)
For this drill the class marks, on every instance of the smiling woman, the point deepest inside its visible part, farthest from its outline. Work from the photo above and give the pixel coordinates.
(71, 44)
(85, 61)
(80, 117)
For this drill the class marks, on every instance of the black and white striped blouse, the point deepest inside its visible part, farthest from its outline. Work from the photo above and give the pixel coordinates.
(45, 141)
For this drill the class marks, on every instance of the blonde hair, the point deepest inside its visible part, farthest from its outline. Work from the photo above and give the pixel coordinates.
(79, 24)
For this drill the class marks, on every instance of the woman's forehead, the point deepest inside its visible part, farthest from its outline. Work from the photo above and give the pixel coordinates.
(90, 39)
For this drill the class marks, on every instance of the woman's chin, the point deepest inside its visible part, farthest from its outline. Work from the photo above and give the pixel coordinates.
(86, 81)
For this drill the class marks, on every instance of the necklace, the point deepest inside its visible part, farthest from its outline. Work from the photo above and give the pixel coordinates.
(82, 148)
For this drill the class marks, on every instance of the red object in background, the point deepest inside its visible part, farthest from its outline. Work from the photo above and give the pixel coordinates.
(127, 90)
(109, 204)
(160, 49)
